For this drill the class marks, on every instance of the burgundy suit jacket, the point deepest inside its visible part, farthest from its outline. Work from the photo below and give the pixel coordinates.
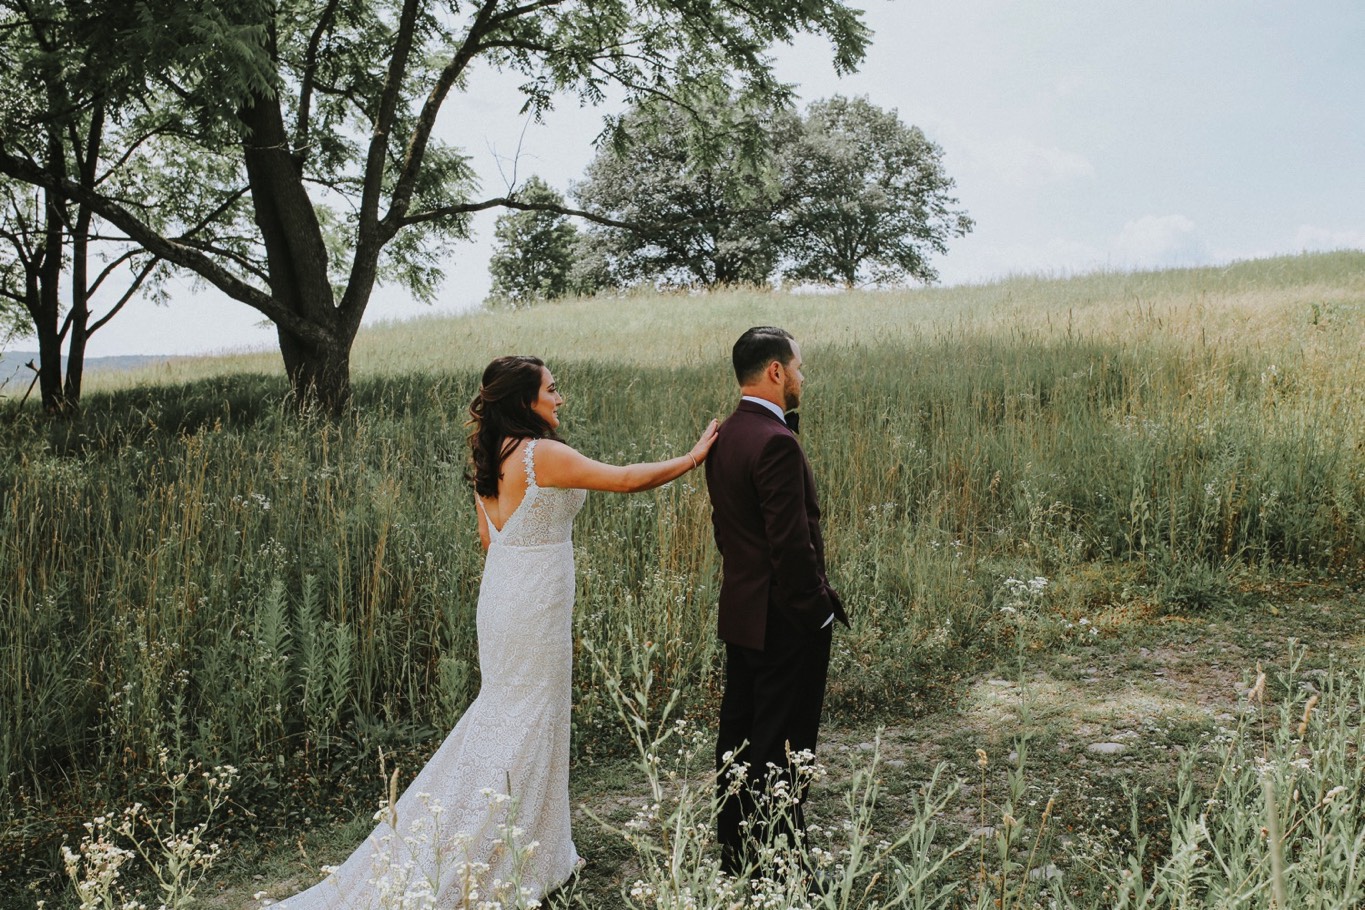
(767, 525)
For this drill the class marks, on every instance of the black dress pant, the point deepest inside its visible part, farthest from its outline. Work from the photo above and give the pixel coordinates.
(771, 704)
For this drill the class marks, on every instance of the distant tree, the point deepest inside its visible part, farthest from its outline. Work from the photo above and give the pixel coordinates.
(704, 188)
(846, 194)
(53, 266)
(533, 249)
(866, 198)
(61, 259)
(320, 119)
(590, 266)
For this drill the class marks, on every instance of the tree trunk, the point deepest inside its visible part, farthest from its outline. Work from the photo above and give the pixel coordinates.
(79, 322)
(848, 270)
(319, 375)
(50, 366)
(727, 271)
(46, 309)
(78, 333)
(318, 364)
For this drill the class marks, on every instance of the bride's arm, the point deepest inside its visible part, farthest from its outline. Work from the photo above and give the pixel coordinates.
(558, 465)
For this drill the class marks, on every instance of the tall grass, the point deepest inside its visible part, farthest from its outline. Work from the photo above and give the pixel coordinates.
(191, 570)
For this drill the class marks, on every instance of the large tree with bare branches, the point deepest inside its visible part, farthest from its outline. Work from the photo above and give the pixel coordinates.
(306, 126)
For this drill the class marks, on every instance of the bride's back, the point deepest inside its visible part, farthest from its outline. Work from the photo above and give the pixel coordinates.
(526, 514)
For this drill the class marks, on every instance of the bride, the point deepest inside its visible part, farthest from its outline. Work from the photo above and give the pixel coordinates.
(486, 822)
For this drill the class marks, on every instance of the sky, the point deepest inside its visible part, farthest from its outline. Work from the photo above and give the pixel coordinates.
(1082, 134)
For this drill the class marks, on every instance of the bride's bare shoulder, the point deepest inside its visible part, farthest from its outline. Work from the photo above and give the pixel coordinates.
(553, 448)
(559, 464)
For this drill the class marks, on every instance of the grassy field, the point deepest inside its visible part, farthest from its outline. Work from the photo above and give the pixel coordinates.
(1013, 472)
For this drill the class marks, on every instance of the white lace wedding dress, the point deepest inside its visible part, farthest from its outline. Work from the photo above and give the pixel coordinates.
(489, 814)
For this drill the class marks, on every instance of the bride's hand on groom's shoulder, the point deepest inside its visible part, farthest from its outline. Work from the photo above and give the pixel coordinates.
(708, 439)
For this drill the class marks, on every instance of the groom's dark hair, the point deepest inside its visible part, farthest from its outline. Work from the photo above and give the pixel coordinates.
(759, 347)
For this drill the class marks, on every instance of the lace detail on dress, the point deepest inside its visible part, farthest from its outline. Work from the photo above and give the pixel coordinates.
(528, 458)
(545, 515)
(507, 760)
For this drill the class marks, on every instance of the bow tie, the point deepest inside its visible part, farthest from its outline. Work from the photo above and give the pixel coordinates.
(793, 419)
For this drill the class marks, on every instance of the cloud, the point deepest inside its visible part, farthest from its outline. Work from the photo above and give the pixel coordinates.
(976, 259)
(1158, 240)
(1072, 85)
(1149, 242)
(1017, 161)
(1311, 238)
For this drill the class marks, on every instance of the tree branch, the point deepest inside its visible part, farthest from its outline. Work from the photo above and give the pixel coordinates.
(310, 67)
(639, 227)
(214, 215)
(238, 259)
(108, 270)
(515, 44)
(519, 11)
(450, 211)
(127, 296)
(426, 120)
(644, 89)
(384, 116)
(132, 148)
(177, 253)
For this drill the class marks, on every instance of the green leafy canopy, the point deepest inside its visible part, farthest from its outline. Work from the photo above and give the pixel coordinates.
(307, 128)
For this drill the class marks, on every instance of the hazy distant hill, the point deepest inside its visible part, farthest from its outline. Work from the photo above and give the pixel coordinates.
(13, 371)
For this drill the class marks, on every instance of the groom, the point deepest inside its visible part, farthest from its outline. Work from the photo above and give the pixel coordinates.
(777, 609)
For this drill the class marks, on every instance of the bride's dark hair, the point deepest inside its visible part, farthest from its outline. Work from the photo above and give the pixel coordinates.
(500, 416)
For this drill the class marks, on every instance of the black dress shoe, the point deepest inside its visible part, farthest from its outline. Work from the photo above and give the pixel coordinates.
(820, 881)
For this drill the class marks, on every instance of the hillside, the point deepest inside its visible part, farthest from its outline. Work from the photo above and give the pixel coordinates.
(1108, 530)
(1243, 304)
(14, 371)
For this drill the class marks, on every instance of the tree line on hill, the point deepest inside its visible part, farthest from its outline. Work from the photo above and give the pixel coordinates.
(285, 152)
(846, 194)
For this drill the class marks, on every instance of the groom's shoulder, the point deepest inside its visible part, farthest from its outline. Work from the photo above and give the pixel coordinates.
(750, 420)
(750, 430)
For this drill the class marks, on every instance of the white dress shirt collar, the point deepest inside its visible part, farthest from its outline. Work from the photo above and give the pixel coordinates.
(767, 404)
